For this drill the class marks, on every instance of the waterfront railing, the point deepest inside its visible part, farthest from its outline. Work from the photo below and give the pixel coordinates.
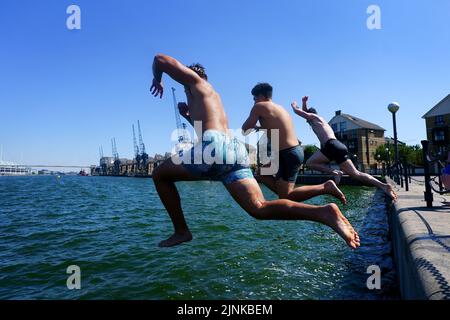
(430, 182)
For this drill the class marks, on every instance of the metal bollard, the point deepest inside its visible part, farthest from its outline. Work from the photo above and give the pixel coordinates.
(439, 169)
(400, 175)
(405, 169)
(427, 194)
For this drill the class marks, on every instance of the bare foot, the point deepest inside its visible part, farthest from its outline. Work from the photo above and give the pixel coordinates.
(390, 192)
(175, 239)
(331, 188)
(336, 220)
(337, 175)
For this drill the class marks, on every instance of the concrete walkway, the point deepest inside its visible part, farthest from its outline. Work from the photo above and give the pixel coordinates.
(421, 241)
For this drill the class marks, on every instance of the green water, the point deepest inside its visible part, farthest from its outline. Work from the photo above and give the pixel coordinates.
(110, 228)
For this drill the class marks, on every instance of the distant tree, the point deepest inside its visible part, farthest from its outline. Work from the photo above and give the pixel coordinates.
(309, 150)
(412, 154)
(384, 153)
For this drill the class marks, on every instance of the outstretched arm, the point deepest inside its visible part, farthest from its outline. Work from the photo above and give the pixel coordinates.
(176, 70)
(251, 121)
(306, 115)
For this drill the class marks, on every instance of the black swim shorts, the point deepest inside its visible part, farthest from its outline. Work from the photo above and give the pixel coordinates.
(290, 162)
(335, 150)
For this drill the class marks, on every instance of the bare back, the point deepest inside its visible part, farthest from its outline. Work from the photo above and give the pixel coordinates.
(206, 106)
(322, 129)
(274, 116)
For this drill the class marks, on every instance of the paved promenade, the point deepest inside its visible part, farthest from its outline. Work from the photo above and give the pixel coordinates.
(421, 240)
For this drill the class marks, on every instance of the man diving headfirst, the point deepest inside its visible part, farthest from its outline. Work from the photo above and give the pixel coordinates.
(204, 105)
(272, 116)
(334, 150)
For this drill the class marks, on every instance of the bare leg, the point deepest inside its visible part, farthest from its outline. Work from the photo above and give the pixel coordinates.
(247, 193)
(319, 162)
(307, 192)
(287, 190)
(164, 178)
(268, 181)
(350, 169)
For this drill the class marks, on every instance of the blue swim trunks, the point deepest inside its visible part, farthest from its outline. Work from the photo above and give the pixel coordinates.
(218, 157)
(291, 160)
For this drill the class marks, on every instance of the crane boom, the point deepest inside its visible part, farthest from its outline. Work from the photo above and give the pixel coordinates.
(181, 127)
(141, 142)
(136, 147)
(175, 108)
(114, 149)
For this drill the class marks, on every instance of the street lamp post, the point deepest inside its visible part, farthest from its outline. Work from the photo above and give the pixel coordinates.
(393, 108)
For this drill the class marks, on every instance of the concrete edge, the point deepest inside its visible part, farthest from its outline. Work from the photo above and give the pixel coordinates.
(410, 282)
(416, 256)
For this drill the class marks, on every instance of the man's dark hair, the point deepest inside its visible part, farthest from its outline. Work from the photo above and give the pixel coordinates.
(263, 89)
(199, 69)
(312, 110)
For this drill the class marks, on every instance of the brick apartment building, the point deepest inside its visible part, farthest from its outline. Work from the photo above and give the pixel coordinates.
(437, 121)
(360, 136)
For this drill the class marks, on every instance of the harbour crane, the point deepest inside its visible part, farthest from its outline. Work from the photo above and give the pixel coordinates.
(136, 148)
(144, 155)
(181, 127)
(116, 157)
(115, 154)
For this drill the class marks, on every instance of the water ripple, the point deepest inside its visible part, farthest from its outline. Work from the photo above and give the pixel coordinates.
(110, 227)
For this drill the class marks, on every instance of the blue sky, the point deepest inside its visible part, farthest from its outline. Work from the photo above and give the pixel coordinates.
(66, 92)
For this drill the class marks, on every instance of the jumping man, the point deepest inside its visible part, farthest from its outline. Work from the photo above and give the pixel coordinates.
(273, 116)
(332, 149)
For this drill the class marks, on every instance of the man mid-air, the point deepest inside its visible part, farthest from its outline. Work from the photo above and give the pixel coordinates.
(272, 116)
(334, 150)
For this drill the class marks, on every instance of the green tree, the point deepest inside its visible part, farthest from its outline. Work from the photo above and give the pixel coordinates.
(412, 154)
(309, 150)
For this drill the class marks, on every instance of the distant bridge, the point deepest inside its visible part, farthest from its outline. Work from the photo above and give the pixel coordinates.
(49, 166)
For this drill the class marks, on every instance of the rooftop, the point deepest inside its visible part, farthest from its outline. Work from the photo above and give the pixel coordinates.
(358, 121)
(441, 108)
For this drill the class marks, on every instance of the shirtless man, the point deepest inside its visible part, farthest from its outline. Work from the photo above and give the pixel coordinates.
(204, 105)
(332, 149)
(273, 116)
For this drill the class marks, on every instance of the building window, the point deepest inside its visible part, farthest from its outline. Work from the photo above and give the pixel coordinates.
(334, 127)
(439, 120)
(343, 126)
(441, 150)
(439, 135)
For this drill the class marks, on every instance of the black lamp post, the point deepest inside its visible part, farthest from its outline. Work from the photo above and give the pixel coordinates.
(393, 108)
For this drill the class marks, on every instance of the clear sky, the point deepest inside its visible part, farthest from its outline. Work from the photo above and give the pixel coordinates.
(63, 93)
